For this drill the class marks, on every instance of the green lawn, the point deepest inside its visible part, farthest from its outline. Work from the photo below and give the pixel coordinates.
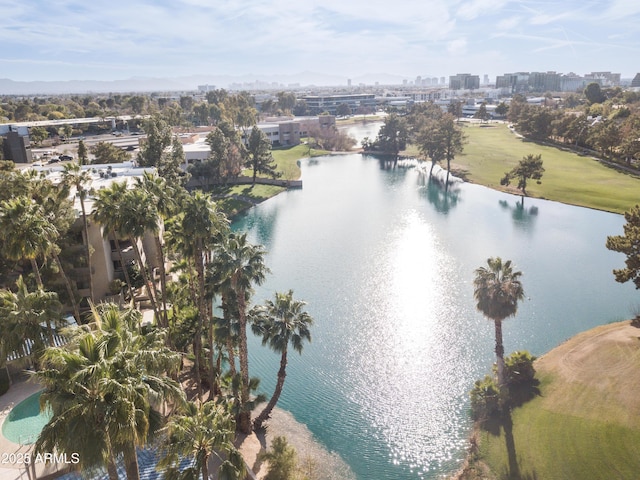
(288, 159)
(492, 150)
(288, 164)
(584, 424)
(552, 444)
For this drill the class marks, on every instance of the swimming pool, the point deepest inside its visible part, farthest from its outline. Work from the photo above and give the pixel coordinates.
(25, 421)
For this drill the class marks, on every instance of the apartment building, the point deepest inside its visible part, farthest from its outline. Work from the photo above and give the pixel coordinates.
(105, 261)
(318, 104)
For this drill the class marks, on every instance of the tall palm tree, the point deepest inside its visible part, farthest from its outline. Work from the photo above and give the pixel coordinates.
(74, 176)
(163, 196)
(244, 265)
(29, 232)
(25, 232)
(107, 212)
(138, 216)
(280, 322)
(202, 431)
(202, 227)
(22, 316)
(497, 290)
(105, 391)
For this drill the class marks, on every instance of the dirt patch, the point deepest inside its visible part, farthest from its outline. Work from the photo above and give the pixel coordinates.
(605, 358)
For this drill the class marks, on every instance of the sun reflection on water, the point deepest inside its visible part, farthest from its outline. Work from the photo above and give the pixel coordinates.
(406, 374)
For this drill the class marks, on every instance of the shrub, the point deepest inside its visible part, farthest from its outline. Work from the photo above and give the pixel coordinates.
(282, 460)
(519, 369)
(485, 398)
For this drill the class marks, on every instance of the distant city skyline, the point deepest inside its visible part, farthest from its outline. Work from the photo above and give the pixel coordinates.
(74, 40)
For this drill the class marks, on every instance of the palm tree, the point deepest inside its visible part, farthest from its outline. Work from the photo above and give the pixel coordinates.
(164, 199)
(201, 431)
(73, 175)
(497, 290)
(22, 315)
(280, 322)
(25, 232)
(107, 212)
(201, 226)
(105, 391)
(244, 265)
(138, 216)
(28, 231)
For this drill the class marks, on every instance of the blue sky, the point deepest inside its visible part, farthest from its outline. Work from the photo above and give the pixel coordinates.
(100, 40)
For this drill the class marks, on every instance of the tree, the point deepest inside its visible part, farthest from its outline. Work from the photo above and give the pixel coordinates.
(105, 152)
(260, 158)
(38, 135)
(51, 203)
(104, 390)
(343, 110)
(200, 226)
(162, 196)
(108, 212)
(530, 167)
(497, 290)
(594, 94)
(227, 152)
(393, 136)
(139, 214)
(244, 265)
(27, 316)
(158, 139)
(455, 108)
(83, 158)
(629, 244)
(25, 232)
(605, 136)
(73, 175)
(430, 142)
(439, 138)
(280, 322)
(200, 431)
(502, 109)
(282, 460)
(286, 101)
(482, 113)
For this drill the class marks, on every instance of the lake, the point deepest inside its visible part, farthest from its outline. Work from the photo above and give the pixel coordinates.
(386, 262)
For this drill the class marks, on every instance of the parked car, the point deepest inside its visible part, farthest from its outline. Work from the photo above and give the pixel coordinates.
(65, 158)
(53, 160)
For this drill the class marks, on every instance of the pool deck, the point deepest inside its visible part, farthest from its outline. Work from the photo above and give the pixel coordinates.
(12, 466)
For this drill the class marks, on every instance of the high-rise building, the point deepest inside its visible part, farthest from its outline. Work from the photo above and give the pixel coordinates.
(464, 81)
(606, 79)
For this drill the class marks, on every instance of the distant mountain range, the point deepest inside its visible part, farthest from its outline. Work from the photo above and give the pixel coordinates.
(148, 84)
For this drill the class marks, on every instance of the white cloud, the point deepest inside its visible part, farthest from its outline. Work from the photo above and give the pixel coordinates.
(457, 46)
(475, 8)
(544, 19)
(509, 23)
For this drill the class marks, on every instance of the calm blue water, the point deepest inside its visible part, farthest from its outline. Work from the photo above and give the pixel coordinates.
(386, 265)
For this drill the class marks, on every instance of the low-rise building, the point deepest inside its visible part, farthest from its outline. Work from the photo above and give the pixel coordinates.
(319, 104)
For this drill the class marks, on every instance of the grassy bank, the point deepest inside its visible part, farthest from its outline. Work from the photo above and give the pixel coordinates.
(491, 150)
(585, 423)
(240, 197)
